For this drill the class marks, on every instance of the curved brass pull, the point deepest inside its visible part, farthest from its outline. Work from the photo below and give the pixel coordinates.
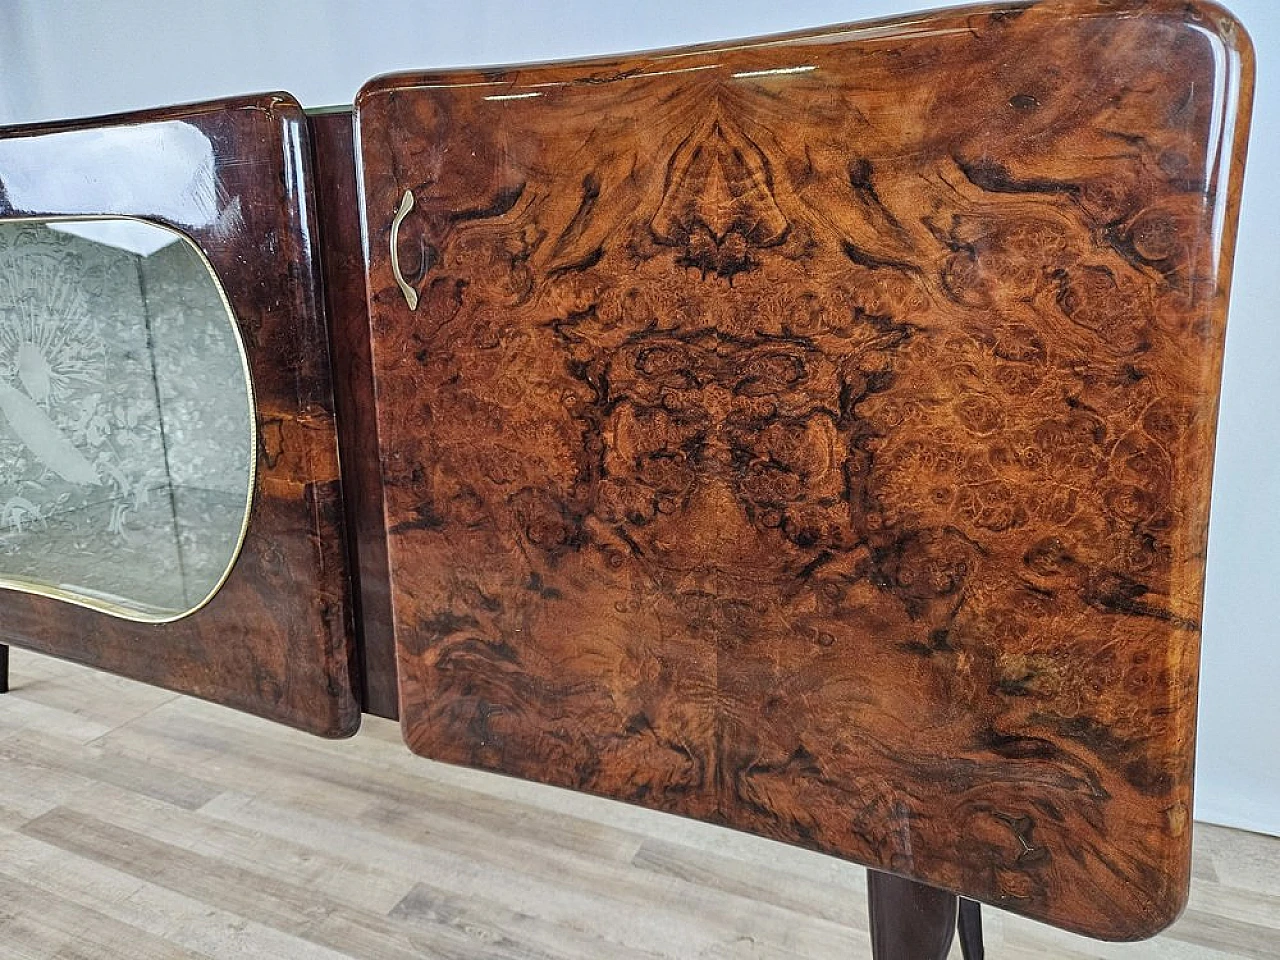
(410, 294)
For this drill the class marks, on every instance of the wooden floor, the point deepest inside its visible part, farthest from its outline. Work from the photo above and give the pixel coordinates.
(140, 825)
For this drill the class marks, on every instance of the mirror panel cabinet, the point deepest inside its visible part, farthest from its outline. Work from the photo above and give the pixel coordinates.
(809, 435)
(171, 461)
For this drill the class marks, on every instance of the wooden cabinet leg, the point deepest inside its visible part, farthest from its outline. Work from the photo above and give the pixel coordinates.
(909, 920)
(971, 930)
(4, 668)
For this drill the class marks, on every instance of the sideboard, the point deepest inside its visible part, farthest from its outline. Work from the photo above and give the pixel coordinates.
(810, 435)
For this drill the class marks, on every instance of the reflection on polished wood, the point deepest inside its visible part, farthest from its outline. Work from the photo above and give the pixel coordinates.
(338, 207)
(814, 436)
(137, 824)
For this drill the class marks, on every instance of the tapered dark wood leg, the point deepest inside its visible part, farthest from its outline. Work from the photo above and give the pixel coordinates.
(971, 930)
(4, 668)
(909, 920)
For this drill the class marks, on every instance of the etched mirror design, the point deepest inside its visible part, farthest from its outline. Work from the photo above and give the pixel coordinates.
(127, 433)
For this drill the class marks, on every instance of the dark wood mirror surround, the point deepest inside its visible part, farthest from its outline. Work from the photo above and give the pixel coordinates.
(276, 640)
(814, 435)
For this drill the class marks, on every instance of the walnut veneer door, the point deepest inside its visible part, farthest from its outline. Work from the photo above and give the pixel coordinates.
(813, 435)
(172, 506)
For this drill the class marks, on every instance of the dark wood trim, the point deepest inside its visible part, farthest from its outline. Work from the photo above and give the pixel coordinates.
(342, 266)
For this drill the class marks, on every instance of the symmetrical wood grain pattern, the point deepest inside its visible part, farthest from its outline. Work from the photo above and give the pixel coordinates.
(342, 267)
(277, 639)
(814, 435)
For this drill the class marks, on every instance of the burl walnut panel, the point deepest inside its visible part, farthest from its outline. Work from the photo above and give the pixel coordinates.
(813, 435)
(277, 639)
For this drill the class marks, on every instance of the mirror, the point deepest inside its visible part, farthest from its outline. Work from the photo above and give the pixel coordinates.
(127, 433)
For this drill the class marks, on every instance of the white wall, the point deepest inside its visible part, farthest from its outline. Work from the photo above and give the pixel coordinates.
(64, 59)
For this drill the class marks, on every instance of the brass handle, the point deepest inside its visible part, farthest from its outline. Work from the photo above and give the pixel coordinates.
(410, 294)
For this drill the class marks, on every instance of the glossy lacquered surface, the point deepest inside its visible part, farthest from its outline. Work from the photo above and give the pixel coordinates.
(814, 435)
(338, 207)
(234, 177)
